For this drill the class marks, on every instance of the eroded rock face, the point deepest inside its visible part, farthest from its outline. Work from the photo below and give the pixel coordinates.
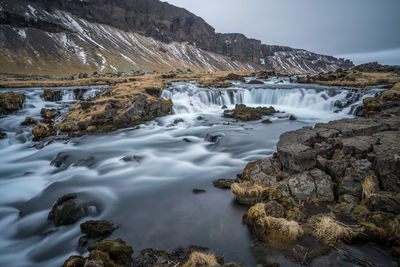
(11, 101)
(266, 171)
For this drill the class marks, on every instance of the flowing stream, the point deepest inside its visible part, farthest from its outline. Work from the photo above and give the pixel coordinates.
(142, 178)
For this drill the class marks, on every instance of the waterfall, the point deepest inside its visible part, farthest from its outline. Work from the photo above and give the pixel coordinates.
(189, 98)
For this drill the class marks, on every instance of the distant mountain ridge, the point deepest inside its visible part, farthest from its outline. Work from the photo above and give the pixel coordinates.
(99, 27)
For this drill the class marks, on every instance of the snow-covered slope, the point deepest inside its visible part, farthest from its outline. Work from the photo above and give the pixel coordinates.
(38, 38)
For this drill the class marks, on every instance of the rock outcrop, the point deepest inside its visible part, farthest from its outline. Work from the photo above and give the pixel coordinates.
(323, 177)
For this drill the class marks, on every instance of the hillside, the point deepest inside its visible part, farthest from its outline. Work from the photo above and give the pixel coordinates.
(69, 36)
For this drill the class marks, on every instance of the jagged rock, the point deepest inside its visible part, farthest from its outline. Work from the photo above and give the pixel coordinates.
(28, 121)
(266, 171)
(52, 95)
(350, 186)
(242, 112)
(68, 209)
(42, 130)
(296, 157)
(310, 185)
(224, 183)
(11, 101)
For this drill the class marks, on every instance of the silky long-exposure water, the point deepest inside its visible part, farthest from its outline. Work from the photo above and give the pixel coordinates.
(142, 178)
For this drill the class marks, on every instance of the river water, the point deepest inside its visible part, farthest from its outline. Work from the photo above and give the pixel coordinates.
(142, 178)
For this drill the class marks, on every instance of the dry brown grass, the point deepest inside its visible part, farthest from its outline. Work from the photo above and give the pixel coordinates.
(271, 228)
(331, 231)
(197, 259)
(369, 186)
(247, 189)
(361, 79)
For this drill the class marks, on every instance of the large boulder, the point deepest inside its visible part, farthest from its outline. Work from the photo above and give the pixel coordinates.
(11, 101)
(70, 208)
(28, 121)
(42, 130)
(94, 229)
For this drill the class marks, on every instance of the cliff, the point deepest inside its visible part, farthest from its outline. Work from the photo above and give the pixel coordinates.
(69, 36)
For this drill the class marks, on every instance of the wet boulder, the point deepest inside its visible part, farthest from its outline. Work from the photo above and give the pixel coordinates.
(70, 208)
(65, 159)
(2, 135)
(74, 261)
(224, 183)
(42, 130)
(11, 101)
(94, 229)
(28, 121)
(214, 137)
(242, 112)
(49, 114)
(52, 95)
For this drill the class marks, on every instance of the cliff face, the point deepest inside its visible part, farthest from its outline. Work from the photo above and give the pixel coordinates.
(112, 28)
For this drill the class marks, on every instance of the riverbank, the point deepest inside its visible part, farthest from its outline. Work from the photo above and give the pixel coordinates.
(330, 186)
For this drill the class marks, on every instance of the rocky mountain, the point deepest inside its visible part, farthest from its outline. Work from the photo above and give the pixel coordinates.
(61, 37)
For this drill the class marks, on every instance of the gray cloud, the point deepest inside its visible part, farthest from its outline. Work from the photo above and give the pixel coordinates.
(335, 27)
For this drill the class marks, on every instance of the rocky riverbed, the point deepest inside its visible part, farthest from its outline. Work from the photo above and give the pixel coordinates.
(69, 200)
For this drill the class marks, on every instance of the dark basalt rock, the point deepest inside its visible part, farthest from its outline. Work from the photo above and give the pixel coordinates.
(178, 121)
(2, 135)
(64, 159)
(11, 101)
(69, 208)
(242, 112)
(52, 95)
(292, 118)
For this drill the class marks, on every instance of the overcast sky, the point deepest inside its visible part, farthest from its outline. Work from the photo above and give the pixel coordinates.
(362, 30)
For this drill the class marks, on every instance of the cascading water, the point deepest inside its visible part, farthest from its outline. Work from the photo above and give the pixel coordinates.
(142, 178)
(304, 103)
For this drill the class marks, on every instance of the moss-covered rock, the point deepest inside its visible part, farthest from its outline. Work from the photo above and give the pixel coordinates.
(68, 209)
(11, 101)
(113, 251)
(52, 95)
(242, 112)
(94, 229)
(42, 130)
